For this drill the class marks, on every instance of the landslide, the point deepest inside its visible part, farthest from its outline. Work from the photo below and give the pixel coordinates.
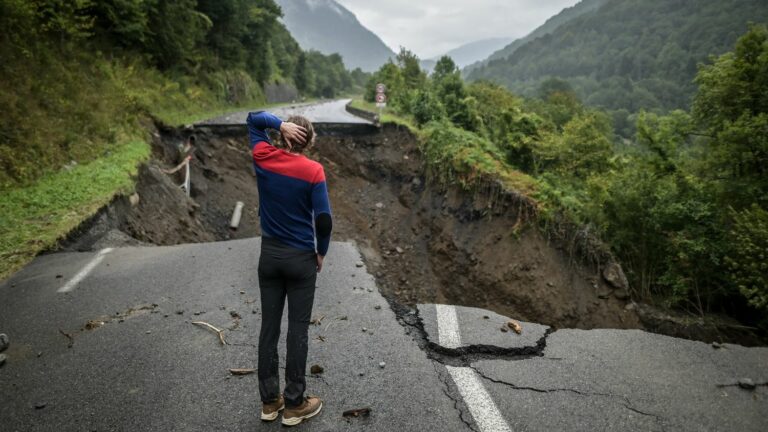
(422, 241)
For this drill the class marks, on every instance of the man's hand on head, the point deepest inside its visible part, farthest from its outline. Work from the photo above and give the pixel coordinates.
(292, 133)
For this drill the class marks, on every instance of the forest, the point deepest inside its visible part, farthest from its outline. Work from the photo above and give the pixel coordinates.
(628, 55)
(683, 204)
(79, 75)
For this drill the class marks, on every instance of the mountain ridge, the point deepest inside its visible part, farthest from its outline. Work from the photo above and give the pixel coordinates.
(328, 27)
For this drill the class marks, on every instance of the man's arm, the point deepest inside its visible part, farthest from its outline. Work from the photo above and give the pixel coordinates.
(321, 208)
(259, 121)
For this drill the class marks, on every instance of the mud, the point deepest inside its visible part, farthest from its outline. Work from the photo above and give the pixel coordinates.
(424, 243)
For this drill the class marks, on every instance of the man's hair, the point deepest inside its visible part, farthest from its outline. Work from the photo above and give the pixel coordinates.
(299, 147)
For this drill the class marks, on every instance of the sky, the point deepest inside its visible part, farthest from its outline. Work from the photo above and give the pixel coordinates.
(433, 27)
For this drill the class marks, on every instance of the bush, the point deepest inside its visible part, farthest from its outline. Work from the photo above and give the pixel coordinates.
(747, 258)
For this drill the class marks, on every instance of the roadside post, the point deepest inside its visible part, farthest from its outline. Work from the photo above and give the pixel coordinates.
(381, 98)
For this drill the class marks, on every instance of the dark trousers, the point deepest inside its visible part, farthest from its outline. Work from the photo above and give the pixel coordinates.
(285, 272)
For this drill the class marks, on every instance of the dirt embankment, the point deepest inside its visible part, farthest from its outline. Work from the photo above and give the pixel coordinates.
(423, 242)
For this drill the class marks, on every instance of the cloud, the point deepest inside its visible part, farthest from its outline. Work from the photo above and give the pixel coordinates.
(432, 27)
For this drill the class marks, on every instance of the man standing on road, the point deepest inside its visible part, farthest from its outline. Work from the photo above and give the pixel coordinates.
(296, 230)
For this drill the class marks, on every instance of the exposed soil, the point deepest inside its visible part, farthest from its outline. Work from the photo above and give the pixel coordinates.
(423, 242)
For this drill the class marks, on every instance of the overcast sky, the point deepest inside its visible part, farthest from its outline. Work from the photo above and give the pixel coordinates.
(432, 27)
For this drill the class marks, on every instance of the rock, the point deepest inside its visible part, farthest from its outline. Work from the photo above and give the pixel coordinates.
(630, 306)
(3, 358)
(4, 342)
(486, 317)
(179, 312)
(234, 314)
(361, 373)
(365, 329)
(550, 284)
(717, 345)
(379, 205)
(40, 405)
(399, 250)
(382, 365)
(747, 384)
(604, 294)
(503, 329)
(621, 294)
(370, 289)
(614, 275)
(416, 181)
(316, 369)
(148, 332)
(134, 199)
(377, 307)
(359, 264)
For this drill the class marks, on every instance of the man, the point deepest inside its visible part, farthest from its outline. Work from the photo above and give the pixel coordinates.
(296, 231)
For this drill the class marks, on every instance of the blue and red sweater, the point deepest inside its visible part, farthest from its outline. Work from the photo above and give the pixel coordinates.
(293, 197)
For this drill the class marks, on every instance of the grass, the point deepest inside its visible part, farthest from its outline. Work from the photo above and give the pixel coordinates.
(34, 218)
(456, 155)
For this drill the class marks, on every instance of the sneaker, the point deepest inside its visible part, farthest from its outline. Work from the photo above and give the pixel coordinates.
(309, 408)
(270, 411)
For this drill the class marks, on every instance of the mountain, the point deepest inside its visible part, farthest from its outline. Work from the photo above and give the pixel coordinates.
(328, 27)
(476, 51)
(548, 27)
(629, 55)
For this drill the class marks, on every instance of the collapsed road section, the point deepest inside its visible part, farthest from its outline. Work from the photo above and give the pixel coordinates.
(423, 241)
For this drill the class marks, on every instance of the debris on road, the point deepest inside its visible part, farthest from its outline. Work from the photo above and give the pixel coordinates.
(382, 365)
(357, 412)
(235, 371)
(747, 384)
(377, 307)
(359, 264)
(503, 329)
(717, 345)
(93, 324)
(317, 321)
(316, 369)
(320, 338)
(4, 342)
(40, 405)
(68, 336)
(210, 327)
(515, 326)
(343, 318)
(234, 314)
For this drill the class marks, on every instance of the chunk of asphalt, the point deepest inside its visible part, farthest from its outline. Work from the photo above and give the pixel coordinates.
(4, 342)
(476, 332)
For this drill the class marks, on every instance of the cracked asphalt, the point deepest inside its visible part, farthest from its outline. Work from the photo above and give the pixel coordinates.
(137, 363)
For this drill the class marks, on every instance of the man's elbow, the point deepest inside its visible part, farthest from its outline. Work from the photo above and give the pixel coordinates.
(323, 225)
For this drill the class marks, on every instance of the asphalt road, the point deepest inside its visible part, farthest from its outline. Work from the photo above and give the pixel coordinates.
(104, 341)
(324, 112)
(148, 368)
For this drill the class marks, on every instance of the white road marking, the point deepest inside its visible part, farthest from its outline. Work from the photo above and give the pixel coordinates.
(447, 326)
(69, 286)
(480, 404)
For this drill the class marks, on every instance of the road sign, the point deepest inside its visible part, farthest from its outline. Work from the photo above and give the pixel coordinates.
(381, 104)
(380, 88)
(381, 98)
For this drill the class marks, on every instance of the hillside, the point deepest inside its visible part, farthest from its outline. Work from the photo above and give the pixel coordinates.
(472, 52)
(548, 27)
(328, 27)
(629, 55)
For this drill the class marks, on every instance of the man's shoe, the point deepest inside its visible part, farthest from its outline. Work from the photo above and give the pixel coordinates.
(309, 408)
(270, 411)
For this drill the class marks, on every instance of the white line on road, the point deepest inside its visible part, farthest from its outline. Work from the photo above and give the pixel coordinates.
(480, 404)
(447, 326)
(69, 286)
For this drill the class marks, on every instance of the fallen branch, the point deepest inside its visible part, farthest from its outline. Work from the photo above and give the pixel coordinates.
(210, 327)
(68, 336)
(242, 371)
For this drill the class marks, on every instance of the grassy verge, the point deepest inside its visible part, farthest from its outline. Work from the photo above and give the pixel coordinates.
(455, 155)
(33, 218)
